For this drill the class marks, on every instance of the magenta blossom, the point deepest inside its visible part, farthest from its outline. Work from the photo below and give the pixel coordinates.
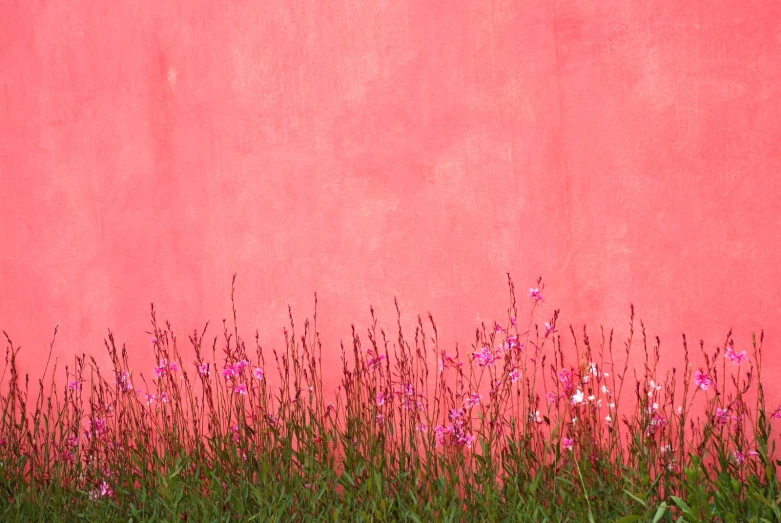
(702, 380)
(485, 357)
(74, 385)
(258, 373)
(535, 294)
(473, 400)
(203, 369)
(722, 416)
(514, 375)
(380, 399)
(374, 363)
(567, 443)
(735, 357)
(240, 389)
(549, 329)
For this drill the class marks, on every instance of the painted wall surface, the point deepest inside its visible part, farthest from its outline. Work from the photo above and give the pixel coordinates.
(628, 152)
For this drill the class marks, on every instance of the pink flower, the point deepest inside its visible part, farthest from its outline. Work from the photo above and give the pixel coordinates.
(515, 375)
(473, 400)
(258, 373)
(456, 414)
(380, 418)
(203, 369)
(173, 366)
(536, 417)
(240, 366)
(549, 329)
(739, 457)
(103, 490)
(164, 397)
(565, 377)
(535, 294)
(567, 444)
(735, 357)
(380, 399)
(149, 398)
(722, 416)
(485, 357)
(240, 389)
(513, 322)
(161, 369)
(229, 371)
(552, 397)
(702, 380)
(777, 413)
(498, 328)
(75, 385)
(123, 380)
(374, 363)
(154, 340)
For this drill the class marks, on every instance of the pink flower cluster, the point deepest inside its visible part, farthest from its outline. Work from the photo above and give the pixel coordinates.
(486, 357)
(165, 367)
(735, 357)
(702, 380)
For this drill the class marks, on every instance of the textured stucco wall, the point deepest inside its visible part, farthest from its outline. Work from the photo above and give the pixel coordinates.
(626, 151)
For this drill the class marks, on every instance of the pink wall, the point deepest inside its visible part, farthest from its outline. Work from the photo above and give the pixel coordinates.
(366, 149)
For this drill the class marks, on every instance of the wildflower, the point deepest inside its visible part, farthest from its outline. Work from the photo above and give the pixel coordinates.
(380, 399)
(722, 416)
(593, 369)
(240, 389)
(154, 340)
(203, 369)
(591, 398)
(652, 388)
(229, 371)
(235, 433)
(608, 418)
(467, 440)
(498, 328)
(150, 398)
(605, 390)
(577, 397)
(173, 366)
(549, 328)
(240, 366)
(161, 369)
(702, 380)
(536, 418)
(739, 457)
(679, 410)
(74, 385)
(735, 357)
(535, 294)
(513, 322)
(258, 373)
(123, 380)
(380, 418)
(103, 490)
(515, 375)
(777, 413)
(456, 414)
(485, 357)
(421, 427)
(565, 377)
(473, 400)
(374, 363)
(567, 443)
(552, 397)
(164, 397)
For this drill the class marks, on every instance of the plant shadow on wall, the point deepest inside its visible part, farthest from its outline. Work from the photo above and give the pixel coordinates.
(533, 423)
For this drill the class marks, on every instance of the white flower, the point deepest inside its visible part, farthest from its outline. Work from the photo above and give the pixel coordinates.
(578, 397)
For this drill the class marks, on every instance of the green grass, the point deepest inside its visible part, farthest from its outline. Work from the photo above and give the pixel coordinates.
(515, 429)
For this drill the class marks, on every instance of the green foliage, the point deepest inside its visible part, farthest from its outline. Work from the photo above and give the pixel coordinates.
(512, 434)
